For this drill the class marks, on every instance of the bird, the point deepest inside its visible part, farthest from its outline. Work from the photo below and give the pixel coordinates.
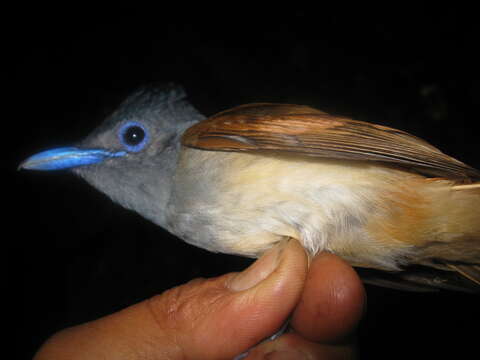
(395, 207)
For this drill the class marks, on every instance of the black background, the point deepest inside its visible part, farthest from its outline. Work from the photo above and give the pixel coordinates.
(73, 256)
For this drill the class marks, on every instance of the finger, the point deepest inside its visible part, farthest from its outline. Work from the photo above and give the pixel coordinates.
(233, 313)
(332, 301)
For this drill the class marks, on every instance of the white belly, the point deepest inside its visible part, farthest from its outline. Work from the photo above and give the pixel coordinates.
(242, 203)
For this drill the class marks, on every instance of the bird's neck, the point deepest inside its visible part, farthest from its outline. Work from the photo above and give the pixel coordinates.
(153, 196)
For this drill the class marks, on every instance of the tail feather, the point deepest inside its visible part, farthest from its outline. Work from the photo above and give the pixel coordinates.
(471, 272)
(419, 278)
(466, 187)
(452, 232)
(447, 238)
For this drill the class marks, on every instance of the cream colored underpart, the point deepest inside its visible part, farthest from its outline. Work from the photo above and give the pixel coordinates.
(325, 204)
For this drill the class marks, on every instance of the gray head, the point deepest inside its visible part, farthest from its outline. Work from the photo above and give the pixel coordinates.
(132, 155)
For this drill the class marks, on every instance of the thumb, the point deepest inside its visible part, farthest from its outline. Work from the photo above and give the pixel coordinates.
(222, 317)
(215, 318)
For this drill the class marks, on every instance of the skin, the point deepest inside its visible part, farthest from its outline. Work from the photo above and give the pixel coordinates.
(221, 317)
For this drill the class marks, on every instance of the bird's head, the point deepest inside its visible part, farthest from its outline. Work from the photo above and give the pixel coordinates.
(132, 155)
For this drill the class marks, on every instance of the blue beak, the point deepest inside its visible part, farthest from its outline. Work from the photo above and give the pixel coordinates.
(67, 157)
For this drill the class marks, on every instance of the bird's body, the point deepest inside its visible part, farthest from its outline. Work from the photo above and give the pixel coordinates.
(371, 215)
(245, 179)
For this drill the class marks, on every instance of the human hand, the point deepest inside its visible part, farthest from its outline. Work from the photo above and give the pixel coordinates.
(222, 317)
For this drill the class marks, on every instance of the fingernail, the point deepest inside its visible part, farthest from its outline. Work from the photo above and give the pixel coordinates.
(259, 270)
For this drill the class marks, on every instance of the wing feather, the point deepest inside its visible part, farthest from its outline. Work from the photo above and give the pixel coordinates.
(304, 130)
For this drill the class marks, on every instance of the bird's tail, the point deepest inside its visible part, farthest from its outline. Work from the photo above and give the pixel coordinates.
(441, 220)
(452, 236)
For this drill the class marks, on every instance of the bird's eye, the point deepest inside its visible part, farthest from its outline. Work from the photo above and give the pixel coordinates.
(133, 136)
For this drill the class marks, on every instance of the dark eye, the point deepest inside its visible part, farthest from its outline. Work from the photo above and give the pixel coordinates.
(133, 136)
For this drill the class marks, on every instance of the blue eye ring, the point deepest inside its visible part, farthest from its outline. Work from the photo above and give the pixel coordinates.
(133, 136)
